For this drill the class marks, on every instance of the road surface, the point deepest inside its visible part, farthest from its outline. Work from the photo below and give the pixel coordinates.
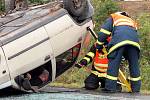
(55, 93)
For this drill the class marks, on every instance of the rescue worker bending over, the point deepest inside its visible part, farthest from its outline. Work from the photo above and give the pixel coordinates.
(99, 67)
(125, 43)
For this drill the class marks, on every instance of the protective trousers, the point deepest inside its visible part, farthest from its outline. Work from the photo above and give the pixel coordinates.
(131, 53)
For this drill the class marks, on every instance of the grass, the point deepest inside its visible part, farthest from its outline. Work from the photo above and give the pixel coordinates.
(144, 31)
(73, 78)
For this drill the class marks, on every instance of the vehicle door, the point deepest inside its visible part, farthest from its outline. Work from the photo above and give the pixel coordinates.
(64, 34)
(28, 51)
(4, 71)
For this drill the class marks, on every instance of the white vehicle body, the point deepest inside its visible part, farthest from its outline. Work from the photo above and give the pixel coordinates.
(29, 42)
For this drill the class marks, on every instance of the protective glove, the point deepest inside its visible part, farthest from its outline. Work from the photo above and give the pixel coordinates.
(82, 63)
(78, 65)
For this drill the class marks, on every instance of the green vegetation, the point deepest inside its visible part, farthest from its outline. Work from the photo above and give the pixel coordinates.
(144, 30)
(73, 78)
(103, 8)
(1, 6)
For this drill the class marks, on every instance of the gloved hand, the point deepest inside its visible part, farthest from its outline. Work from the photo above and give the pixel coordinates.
(82, 63)
(78, 65)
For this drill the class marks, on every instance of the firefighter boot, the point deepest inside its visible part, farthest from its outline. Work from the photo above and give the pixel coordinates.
(91, 82)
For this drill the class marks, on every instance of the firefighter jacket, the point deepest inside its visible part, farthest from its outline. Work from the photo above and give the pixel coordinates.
(123, 31)
(100, 61)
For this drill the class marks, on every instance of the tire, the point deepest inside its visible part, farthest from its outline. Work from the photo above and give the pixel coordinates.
(75, 7)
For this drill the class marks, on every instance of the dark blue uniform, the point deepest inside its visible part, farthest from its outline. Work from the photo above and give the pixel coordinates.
(125, 43)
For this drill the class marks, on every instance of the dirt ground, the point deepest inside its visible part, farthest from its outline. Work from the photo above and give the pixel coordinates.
(134, 8)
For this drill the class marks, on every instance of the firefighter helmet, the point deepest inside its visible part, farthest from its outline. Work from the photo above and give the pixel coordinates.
(123, 13)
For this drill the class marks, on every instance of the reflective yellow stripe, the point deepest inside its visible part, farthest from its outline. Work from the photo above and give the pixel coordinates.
(127, 23)
(103, 65)
(87, 59)
(100, 43)
(123, 43)
(123, 20)
(124, 23)
(100, 69)
(91, 54)
(135, 79)
(111, 77)
(102, 56)
(99, 74)
(105, 31)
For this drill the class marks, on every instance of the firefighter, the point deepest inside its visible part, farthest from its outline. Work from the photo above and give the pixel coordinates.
(125, 43)
(99, 67)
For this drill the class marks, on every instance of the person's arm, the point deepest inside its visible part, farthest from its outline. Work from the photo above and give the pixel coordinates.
(104, 33)
(88, 58)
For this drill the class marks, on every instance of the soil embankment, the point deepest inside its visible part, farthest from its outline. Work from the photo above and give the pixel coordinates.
(134, 8)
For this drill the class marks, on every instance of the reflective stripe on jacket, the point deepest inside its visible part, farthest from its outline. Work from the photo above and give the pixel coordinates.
(123, 31)
(100, 64)
(119, 20)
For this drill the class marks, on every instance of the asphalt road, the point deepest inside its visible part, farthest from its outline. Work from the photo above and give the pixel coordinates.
(55, 93)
